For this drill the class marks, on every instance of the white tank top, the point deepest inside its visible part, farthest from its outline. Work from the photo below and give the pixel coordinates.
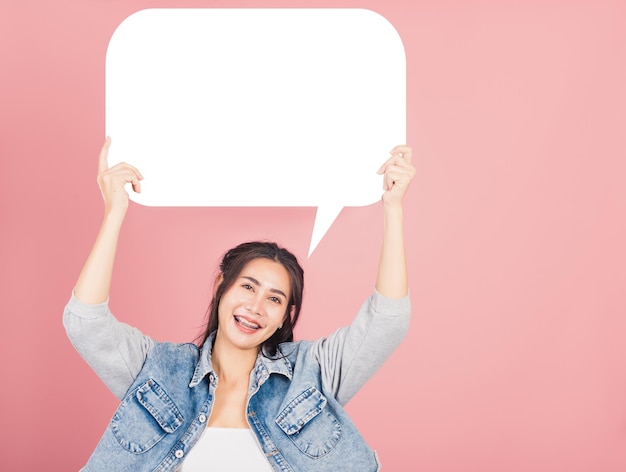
(226, 450)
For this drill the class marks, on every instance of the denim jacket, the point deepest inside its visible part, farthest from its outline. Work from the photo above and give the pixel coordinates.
(295, 399)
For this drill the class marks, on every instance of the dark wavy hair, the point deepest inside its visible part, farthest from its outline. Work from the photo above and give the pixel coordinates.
(231, 266)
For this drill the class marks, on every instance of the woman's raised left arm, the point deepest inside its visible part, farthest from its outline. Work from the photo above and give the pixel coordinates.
(351, 355)
(392, 279)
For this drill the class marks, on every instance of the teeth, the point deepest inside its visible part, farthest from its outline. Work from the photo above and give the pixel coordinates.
(246, 324)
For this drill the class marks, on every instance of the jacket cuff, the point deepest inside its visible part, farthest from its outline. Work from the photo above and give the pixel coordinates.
(86, 310)
(392, 306)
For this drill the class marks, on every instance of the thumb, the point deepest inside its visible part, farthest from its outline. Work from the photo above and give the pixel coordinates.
(103, 163)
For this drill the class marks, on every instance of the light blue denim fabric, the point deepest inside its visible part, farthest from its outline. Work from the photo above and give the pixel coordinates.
(298, 425)
(295, 400)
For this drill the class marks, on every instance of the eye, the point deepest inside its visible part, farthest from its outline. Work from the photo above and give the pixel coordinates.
(276, 300)
(248, 287)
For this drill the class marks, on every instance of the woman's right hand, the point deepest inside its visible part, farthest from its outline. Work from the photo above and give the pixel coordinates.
(112, 181)
(94, 281)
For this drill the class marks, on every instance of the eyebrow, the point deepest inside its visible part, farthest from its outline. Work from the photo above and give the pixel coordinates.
(258, 284)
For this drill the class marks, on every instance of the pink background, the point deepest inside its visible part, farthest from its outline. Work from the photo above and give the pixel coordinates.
(515, 360)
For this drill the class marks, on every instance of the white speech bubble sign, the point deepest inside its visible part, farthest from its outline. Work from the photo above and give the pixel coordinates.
(256, 107)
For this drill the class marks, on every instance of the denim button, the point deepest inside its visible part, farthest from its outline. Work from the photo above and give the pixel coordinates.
(202, 418)
(179, 453)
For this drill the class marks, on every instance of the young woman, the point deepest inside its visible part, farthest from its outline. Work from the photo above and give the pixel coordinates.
(249, 398)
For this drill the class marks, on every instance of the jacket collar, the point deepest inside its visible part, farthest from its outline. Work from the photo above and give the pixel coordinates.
(265, 365)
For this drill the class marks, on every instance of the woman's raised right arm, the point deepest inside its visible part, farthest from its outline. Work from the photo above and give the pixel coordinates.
(115, 351)
(94, 281)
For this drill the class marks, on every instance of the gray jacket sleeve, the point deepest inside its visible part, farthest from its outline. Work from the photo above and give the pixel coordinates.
(114, 350)
(351, 355)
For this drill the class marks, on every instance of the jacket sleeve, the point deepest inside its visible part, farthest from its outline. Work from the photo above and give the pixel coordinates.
(352, 354)
(114, 350)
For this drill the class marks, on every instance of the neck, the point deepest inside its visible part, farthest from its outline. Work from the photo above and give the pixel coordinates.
(231, 364)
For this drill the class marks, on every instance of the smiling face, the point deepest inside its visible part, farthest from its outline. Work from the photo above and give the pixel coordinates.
(232, 266)
(255, 305)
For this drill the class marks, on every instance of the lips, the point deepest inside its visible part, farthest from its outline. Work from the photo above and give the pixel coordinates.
(246, 323)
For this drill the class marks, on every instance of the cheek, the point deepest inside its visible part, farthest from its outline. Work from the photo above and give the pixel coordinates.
(225, 308)
(230, 300)
(280, 315)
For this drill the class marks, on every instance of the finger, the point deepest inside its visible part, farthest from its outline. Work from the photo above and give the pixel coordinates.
(403, 163)
(131, 176)
(103, 163)
(124, 166)
(391, 179)
(404, 150)
(396, 159)
(401, 152)
(126, 176)
(387, 163)
(397, 174)
(118, 178)
(136, 186)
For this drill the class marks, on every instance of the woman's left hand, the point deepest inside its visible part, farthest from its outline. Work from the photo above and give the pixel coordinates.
(398, 173)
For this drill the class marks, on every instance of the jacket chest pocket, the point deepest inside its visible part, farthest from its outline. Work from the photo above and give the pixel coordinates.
(145, 417)
(309, 425)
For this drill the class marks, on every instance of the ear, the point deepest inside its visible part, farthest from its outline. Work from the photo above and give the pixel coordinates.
(218, 282)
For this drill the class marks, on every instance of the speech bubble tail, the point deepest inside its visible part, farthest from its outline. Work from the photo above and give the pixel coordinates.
(325, 216)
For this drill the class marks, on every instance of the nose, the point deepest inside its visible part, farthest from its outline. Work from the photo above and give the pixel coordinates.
(253, 303)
